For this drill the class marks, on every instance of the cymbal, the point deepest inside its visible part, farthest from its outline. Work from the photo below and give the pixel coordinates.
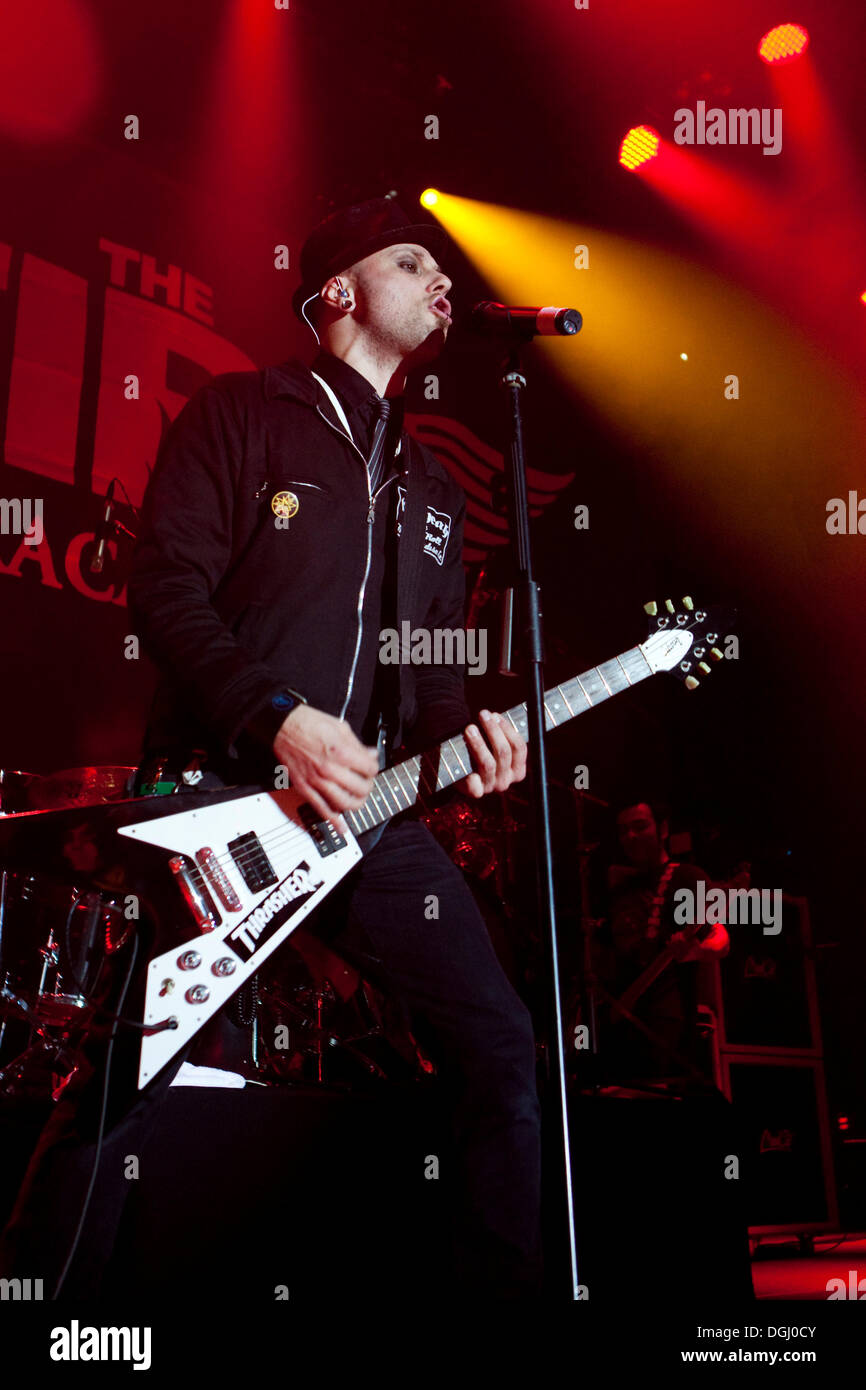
(78, 786)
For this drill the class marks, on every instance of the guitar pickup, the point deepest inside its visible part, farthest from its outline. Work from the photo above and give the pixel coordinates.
(326, 836)
(255, 867)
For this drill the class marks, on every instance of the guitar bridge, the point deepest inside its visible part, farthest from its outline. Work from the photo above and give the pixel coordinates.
(195, 893)
(213, 871)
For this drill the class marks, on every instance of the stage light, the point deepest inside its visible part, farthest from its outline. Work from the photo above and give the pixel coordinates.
(684, 357)
(784, 43)
(863, 296)
(639, 146)
(429, 198)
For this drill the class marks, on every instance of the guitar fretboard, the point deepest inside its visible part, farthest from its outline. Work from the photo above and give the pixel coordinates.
(399, 787)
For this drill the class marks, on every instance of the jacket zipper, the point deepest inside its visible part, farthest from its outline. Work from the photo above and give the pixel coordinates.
(371, 513)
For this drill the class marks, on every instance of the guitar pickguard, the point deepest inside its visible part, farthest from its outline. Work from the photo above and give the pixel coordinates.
(250, 871)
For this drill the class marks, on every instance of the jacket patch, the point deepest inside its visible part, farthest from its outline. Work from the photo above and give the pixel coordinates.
(284, 504)
(437, 533)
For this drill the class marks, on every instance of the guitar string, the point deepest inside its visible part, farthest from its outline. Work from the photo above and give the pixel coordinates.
(455, 745)
(397, 789)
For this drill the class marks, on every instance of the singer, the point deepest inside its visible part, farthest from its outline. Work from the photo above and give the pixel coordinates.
(285, 526)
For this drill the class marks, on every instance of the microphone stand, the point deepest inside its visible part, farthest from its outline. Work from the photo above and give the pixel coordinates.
(587, 926)
(531, 649)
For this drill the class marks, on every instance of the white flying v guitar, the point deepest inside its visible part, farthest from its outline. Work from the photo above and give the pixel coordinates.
(250, 866)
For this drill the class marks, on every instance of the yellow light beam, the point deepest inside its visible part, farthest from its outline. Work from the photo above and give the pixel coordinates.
(759, 409)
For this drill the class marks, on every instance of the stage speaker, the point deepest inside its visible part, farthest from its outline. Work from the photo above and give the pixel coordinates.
(786, 1157)
(768, 1000)
(306, 1194)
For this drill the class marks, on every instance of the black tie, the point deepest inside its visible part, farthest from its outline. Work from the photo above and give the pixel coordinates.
(376, 461)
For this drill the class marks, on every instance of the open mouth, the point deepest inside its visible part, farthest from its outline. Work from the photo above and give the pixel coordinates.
(442, 308)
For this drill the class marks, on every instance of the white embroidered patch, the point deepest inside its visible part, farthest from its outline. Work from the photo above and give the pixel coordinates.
(437, 533)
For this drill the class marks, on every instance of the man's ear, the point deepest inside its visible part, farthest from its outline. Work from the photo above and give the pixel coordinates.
(664, 831)
(337, 296)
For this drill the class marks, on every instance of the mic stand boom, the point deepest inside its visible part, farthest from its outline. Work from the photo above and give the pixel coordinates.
(531, 650)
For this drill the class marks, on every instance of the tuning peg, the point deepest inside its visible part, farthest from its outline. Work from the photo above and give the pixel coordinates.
(702, 666)
(716, 654)
(692, 682)
(688, 604)
(651, 608)
(669, 605)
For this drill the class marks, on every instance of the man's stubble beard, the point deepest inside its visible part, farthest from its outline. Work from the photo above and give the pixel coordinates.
(412, 349)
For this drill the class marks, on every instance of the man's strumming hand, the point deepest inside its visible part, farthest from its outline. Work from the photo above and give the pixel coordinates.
(326, 762)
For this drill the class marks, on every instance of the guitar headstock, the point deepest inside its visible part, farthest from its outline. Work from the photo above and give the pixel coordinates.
(685, 640)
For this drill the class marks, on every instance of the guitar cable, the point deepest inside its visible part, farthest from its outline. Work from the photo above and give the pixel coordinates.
(97, 1009)
(100, 1137)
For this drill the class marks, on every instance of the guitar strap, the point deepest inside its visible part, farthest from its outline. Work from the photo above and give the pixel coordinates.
(658, 899)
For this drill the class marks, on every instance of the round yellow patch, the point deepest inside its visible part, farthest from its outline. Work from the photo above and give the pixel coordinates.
(284, 504)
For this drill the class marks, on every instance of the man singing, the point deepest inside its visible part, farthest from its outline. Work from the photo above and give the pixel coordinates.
(289, 520)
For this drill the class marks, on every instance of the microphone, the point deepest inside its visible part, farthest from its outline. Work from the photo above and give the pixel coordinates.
(503, 320)
(104, 531)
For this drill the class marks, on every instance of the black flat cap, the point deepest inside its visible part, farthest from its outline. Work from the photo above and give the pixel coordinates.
(351, 234)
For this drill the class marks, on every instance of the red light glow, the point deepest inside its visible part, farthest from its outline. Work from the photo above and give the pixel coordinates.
(50, 69)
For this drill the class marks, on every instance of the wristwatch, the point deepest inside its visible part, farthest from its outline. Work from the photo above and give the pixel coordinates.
(286, 699)
(268, 720)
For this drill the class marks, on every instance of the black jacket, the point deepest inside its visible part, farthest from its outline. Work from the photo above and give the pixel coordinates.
(232, 608)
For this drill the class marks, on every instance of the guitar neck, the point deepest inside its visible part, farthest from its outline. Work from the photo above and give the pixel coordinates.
(638, 987)
(402, 786)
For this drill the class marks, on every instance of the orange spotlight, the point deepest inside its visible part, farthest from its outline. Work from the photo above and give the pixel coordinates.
(639, 146)
(784, 43)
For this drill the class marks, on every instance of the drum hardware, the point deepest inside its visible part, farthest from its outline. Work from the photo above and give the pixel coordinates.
(55, 940)
(77, 786)
(47, 1065)
(308, 1007)
(329, 1036)
(469, 835)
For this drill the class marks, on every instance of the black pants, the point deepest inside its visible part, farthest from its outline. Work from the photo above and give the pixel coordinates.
(406, 917)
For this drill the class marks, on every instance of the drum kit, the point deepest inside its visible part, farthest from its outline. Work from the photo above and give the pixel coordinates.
(56, 938)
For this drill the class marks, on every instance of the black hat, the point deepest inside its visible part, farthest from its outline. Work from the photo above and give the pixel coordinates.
(351, 234)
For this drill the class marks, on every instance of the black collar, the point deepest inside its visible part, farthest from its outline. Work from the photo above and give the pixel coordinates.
(355, 390)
